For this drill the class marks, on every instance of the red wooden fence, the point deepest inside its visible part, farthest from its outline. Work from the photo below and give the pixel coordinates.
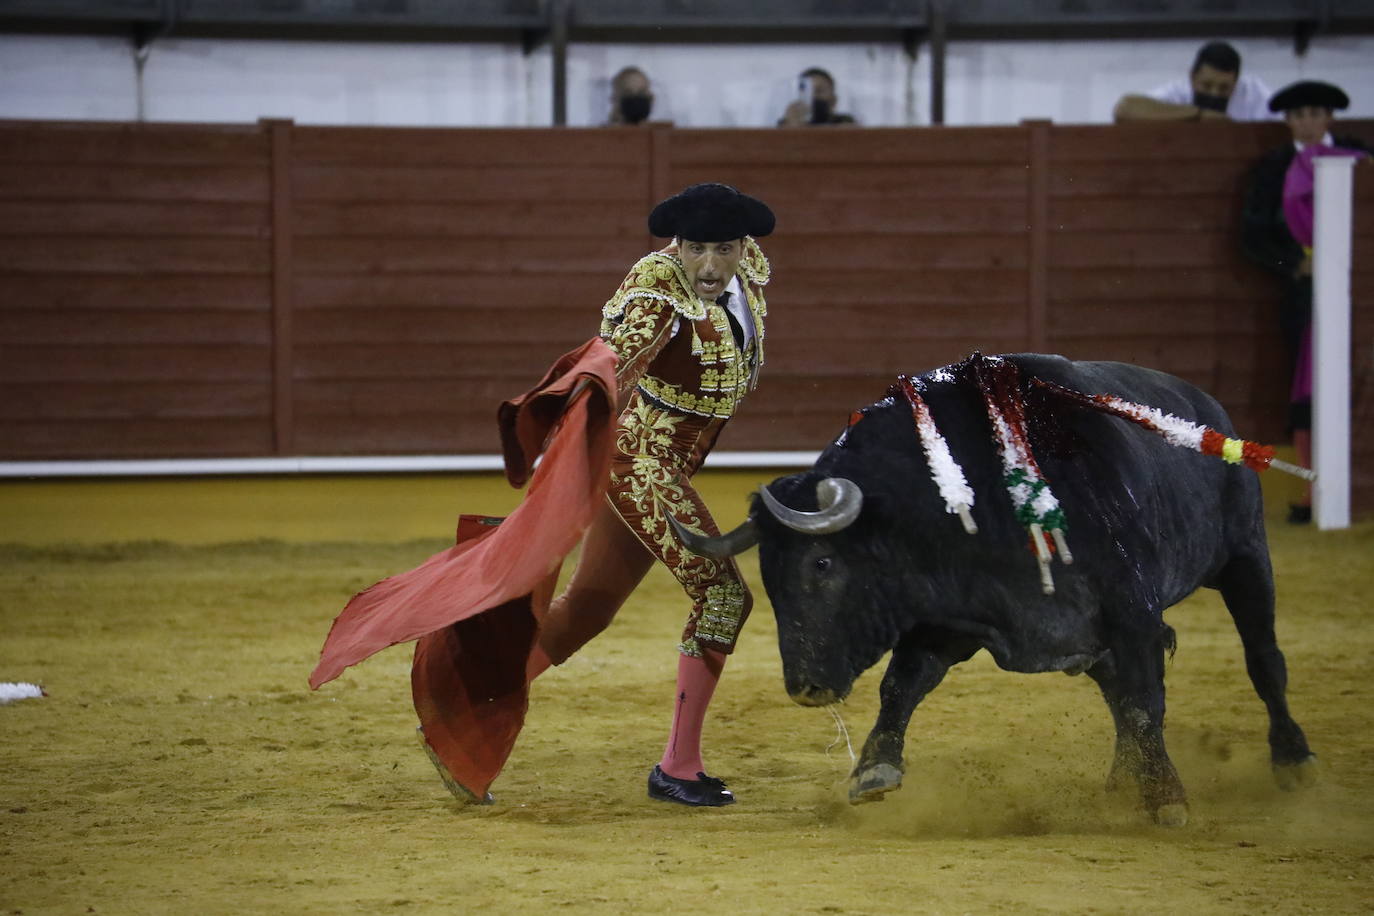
(190, 290)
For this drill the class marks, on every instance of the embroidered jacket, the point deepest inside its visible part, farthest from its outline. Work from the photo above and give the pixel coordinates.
(677, 349)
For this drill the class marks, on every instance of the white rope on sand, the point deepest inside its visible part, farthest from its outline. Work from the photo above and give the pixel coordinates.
(11, 691)
(841, 733)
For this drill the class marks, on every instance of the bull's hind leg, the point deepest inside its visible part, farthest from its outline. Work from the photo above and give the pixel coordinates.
(1247, 587)
(913, 672)
(1132, 682)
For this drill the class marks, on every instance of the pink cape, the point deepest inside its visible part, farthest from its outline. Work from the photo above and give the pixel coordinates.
(1299, 183)
(476, 607)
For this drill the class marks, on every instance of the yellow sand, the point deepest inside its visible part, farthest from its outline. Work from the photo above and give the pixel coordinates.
(181, 765)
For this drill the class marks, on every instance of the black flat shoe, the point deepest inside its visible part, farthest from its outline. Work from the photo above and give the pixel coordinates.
(1299, 515)
(704, 791)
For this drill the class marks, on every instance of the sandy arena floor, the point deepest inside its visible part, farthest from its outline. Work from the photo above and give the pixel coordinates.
(181, 765)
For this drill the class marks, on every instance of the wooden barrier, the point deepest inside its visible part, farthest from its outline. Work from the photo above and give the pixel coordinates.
(194, 291)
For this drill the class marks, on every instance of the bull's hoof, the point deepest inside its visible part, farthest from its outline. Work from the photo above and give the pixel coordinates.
(1300, 775)
(873, 783)
(1175, 815)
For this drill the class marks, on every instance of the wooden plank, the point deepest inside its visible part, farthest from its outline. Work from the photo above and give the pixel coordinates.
(528, 219)
(1230, 281)
(1146, 178)
(107, 327)
(135, 438)
(976, 252)
(847, 149)
(587, 292)
(184, 183)
(778, 186)
(1200, 315)
(596, 184)
(803, 285)
(1173, 212)
(205, 363)
(897, 215)
(1193, 358)
(883, 356)
(101, 218)
(395, 435)
(392, 147)
(141, 255)
(382, 254)
(1037, 242)
(511, 358)
(842, 321)
(1161, 142)
(1161, 250)
(134, 292)
(469, 398)
(464, 327)
(1081, 319)
(58, 401)
(113, 144)
(283, 230)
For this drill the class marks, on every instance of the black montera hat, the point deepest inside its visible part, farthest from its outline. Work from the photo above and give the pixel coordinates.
(1309, 92)
(710, 213)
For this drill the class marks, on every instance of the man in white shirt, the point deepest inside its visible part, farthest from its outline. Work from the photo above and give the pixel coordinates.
(1214, 89)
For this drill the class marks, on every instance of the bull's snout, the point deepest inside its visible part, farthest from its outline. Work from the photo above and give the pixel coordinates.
(814, 696)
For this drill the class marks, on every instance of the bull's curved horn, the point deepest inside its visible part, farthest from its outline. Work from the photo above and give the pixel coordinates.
(840, 501)
(744, 536)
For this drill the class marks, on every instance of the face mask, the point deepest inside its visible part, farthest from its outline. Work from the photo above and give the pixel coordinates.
(820, 111)
(635, 108)
(1214, 102)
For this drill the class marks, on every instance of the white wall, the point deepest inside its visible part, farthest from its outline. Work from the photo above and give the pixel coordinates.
(79, 77)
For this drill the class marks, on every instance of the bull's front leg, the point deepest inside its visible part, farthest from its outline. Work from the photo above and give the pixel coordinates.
(913, 672)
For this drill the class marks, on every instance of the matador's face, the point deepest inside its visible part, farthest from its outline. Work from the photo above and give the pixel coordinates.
(710, 265)
(1308, 123)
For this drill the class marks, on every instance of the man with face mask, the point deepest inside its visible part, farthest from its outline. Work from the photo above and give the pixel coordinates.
(815, 102)
(1273, 238)
(1214, 89)
(631, 98)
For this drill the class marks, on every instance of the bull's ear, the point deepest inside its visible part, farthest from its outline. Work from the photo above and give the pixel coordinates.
(840, 502)
(744, 536)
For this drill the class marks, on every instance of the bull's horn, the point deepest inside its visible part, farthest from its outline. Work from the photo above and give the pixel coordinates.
(840, 501)
(744, 536)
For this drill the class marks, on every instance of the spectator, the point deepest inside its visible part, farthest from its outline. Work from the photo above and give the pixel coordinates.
(631, 98)
(1214, 89)
(815, 104)
(1269, 238)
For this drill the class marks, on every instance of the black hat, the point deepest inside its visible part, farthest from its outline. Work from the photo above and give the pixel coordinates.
(710, 213)
(1309, 92)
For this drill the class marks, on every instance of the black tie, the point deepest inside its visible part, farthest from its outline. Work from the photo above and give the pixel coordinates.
(723, 300)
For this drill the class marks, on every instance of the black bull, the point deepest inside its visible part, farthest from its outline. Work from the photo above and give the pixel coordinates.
(1148, 523)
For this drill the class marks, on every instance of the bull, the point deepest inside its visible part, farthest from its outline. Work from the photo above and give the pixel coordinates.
(860, 556)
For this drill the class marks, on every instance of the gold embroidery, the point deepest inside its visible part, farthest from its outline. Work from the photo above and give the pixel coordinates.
(720, 618)
(635, 331)
(703, 405)
(753, 264)
(656, 276)
(651, 487)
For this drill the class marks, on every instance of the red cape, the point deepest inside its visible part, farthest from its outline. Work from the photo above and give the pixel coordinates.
(476, 606)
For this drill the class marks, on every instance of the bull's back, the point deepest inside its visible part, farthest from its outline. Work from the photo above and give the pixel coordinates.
(1168, 512)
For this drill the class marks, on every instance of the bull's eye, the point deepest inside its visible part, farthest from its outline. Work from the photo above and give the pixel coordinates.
(822, 564)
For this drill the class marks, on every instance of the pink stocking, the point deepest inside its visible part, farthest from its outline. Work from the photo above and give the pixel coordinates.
(696, 681)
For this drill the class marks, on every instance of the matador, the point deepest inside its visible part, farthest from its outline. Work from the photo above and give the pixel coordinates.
(687, 328)
(622, 424)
